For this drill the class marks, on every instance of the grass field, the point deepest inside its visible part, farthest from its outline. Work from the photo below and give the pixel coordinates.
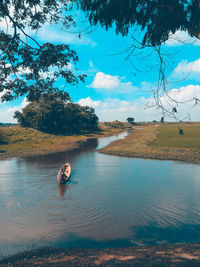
(159, 142)
(150, 141)
(168, 136)
(18, 141)
(25, 141)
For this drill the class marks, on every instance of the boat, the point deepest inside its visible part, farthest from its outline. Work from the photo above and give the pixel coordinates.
(64, 173)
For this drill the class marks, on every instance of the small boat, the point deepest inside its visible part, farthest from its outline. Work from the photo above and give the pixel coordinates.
(64, 173)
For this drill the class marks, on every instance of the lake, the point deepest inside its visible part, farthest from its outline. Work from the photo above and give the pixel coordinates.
(110, 201)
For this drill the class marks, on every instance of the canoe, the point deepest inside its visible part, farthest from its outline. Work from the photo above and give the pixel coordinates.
(64, 173)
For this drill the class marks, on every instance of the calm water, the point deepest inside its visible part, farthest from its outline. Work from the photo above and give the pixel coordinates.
(110, 201)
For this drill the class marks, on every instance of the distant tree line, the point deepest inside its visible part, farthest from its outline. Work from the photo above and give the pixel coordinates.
(54, 115)
(2, 124)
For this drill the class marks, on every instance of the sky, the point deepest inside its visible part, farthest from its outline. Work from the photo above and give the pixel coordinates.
(118, 85)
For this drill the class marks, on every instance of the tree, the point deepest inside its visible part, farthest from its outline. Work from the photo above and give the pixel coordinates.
(162, 120)
(53, 115)
(130, 120)
(28, 67)
(156, 20)
(81, 118)
(47, 115)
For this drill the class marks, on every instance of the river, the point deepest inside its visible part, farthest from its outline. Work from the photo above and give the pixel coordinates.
(110, 201)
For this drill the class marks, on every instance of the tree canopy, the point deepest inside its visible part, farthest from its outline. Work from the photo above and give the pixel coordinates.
(156, 18)
(31, 68)
(53, 115)
(131, 120)
(28, 67)
(149, 23)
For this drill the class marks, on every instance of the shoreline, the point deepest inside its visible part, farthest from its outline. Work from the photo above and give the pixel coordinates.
(138, 144)
(144, 255)
(160, 255)
(35, 143)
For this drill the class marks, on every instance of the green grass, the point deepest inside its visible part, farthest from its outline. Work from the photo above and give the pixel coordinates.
(17, 141)
(20, 141)
(159, 143)
(168, 137)
(150, 142)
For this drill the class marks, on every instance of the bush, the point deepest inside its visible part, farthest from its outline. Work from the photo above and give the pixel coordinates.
(57, 116)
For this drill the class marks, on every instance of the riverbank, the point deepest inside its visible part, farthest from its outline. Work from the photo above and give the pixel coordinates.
(20, 142)
(159, 142)
(166, 255)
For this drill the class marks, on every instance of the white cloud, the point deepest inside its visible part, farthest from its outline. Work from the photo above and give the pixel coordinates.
(105, 81)
(92, 69)
(184, 101)
(181, 38)
(50, 33)
(91, 64)
(187, 69)
(89, 102)
(2, 93)
(185, 93)
(70, 66)
(6, 24)
(109, 84)
(7, 111)
(116, 109)
(24, 103)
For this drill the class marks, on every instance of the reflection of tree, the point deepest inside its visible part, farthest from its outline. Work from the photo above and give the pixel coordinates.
(57, 159)
(154, 233)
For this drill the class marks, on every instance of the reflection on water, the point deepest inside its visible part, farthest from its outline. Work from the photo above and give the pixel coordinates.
(109, 202)
(62, 189)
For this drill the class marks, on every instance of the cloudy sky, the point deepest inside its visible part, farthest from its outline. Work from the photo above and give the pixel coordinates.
(118, 85)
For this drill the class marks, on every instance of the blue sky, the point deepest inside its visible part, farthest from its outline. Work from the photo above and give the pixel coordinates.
(114, 87)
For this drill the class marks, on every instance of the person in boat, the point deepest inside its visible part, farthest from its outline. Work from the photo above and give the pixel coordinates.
(62, 173)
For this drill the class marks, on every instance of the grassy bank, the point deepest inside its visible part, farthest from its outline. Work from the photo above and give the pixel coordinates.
(159, 142)
(166, 255)
(18, 141)
(168, 136)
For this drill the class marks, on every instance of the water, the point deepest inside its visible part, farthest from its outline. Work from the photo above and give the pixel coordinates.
(110, 201)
